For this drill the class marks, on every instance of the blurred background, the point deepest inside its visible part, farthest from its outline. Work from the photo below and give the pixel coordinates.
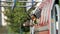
(14, 14)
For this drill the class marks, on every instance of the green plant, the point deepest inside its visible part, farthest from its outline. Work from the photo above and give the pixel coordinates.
(16, 17)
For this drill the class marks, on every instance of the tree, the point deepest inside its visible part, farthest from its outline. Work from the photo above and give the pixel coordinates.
(16, 17)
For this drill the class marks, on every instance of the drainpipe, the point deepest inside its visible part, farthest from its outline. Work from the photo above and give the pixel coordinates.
(0, 16)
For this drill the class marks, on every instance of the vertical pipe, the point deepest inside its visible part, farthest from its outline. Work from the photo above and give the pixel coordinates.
(32, 2)
(58, 13)
(57, 8)
(0, 16)
(14, 4)
(53, 21)
(54, 25)
(59, 22)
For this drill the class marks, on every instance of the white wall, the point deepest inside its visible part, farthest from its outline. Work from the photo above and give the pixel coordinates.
(27, 4)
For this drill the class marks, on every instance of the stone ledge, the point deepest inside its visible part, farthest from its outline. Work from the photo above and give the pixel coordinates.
(41, 28)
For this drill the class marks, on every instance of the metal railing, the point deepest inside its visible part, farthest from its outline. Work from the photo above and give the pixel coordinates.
(20, 1)
(16, 1)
